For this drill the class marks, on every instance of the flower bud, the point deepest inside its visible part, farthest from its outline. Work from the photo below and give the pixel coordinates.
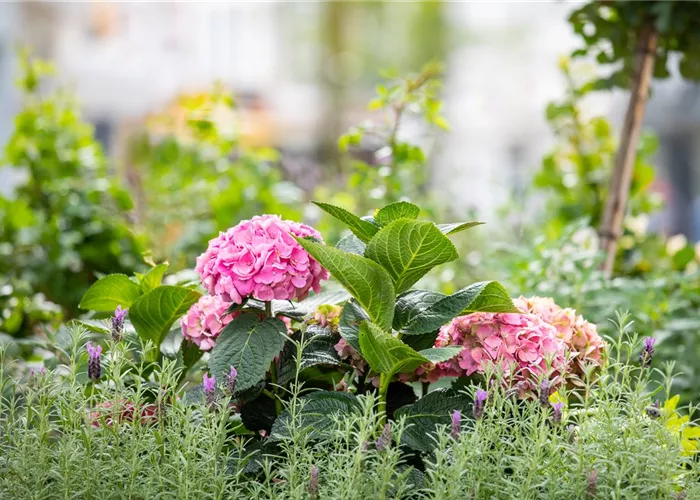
(479, 403)
(94, 367)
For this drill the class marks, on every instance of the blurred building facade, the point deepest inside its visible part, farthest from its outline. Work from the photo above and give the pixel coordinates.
(312, 65)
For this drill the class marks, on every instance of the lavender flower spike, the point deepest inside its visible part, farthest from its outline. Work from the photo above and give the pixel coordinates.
(313, 482)
(543, 395)
(556, 416)
(231, 380)
(479, 403)
(94, 367)
(384, 440)
(456, 424)
(647, 352)
(118, 323)
(209, 388)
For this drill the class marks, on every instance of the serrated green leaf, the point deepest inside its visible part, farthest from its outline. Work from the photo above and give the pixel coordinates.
(320, 351)
(317, 414)
(395, 211)
(109, 292)
(249, 344)
(351, 244)
(385, 353)
(440, 354)
(366, 281)
(349, 323)
(456, 227)
(153, 278)
(408, 249)
(485, 296)
(154, 312)
(190, 352)
(412, 303)
(364, 230)
(425, 415)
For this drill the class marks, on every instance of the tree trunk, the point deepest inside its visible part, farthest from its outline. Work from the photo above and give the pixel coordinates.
(627, 151)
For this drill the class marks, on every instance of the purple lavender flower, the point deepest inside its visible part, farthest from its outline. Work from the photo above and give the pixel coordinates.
(456, 424)
(118, 323)
(479, 403)
(543, 395)
(94, 367)
(647, 352)
(231, 380)
(384, 440)
(313, 482)
(556, 415)
(209, 388)
(592, 485)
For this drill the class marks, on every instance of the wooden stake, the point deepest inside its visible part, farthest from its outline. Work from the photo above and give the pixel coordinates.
(621, 179)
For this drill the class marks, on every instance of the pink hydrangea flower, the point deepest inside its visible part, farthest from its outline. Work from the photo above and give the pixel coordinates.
(579, 336)
(260, 258)
(205, 320)
(521, 345)
(348, 354)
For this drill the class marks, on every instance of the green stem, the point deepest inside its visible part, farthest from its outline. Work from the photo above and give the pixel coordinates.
(273, 366)
(384, 379)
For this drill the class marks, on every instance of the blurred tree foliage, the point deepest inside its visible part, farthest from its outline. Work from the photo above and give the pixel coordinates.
(194, 177)
(67, 220)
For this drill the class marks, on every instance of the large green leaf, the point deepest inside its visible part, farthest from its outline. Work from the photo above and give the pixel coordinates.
(349, 323)
(154, 312)
(365, 280)
(395, 211)
(456, 227)
(425, 415)
(153, 277)
(109, 292)
(408, 249)
(412, 303)
(440, 354)
(317, 414)
(359, 227)
(385, 353)
(320, 351)
(486, 296)
(351, 244)
(249, 344)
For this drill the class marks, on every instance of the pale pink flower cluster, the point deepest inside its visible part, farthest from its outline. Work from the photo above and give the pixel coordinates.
(522, 345)
(259, 258)
(205, 320)
(348, 354)
(579, 336)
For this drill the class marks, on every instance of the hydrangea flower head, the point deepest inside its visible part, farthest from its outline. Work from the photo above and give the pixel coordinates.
(522, 346)
(259, 258)
(580, 336)
(204, 321)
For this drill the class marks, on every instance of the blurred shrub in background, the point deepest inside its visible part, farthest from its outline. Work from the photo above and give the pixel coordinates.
(67, 220)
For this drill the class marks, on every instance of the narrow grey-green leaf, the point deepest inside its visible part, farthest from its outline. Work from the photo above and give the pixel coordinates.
(349, 324)
(486, 296)
(320, 351)
(366, 281)
(395, 211)
(351, 244)
(249, 344)
(153, 277)
(408, 249)
(360, 228)
(440, 354)
(456, 227)
(109, 292)
(412, 303)
(154, 312)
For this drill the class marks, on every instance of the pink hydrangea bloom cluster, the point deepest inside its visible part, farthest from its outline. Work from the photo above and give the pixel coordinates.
(348, 354)
(522, 345)
(579, 336)
(259, 258)
(205, 320)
